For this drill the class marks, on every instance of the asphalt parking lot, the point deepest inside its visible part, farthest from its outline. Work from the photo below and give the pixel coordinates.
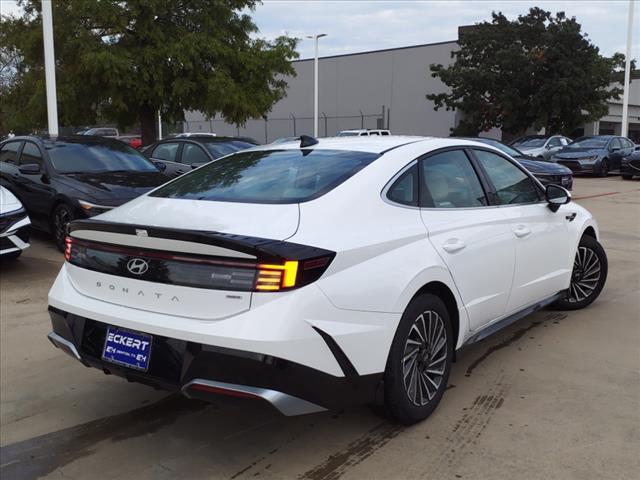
(556, 395)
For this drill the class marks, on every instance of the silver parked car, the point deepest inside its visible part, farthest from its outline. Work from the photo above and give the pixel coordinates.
(541, 146)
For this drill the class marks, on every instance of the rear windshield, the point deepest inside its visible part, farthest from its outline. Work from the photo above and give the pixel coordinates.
(220, 149)
(268, 176)
(85, 158)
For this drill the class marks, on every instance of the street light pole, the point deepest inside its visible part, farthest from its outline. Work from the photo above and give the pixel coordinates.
(49, 68)
(315, 84)
(627, 73)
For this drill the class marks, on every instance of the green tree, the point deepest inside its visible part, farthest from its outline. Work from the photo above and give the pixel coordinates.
(536, 71)
(127, 60)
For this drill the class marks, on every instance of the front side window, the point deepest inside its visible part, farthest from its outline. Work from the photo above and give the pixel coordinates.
(9, 152)
(30, 154)
(166, 151)
(512, 185)
(68, 157)
(268, 176)
(405, 189)
(615, 144)
(448, 180)
(554, 142)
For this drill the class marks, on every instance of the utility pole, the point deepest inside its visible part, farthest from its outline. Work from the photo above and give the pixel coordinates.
(627, 73)
(49, 68)
(315, 84)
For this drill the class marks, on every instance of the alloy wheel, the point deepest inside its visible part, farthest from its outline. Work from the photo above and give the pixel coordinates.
(585, 276)
(425, 357)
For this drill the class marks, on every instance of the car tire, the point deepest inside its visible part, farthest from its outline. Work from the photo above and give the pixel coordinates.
(603, 171)
(589, 275)
(62, 215)
(419, 361)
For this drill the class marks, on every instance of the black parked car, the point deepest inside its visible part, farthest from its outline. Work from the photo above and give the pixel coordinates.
(600, 154)
(546, 172)
(630, 166)
(181, 154)
(59, 180)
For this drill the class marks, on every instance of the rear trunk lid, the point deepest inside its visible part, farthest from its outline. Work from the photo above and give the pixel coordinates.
(187, 258)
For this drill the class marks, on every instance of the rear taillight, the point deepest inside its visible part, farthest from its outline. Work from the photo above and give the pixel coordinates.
(195, 270)
(67, 249)
(276, 277)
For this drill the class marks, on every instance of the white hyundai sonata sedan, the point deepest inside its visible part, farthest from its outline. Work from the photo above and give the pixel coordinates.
(318, 274)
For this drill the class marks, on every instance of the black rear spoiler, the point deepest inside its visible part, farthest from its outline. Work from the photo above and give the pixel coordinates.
(266, 250)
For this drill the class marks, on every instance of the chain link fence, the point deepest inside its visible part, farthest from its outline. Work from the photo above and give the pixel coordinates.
(271, 128)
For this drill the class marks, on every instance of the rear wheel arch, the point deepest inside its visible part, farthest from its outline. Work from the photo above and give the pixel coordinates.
(590, 232)
(444, 293)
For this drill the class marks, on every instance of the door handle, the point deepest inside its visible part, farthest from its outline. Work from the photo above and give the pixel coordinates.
(453, 245)
(522, 231)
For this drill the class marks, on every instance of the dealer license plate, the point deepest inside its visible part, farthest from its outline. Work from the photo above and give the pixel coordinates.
(126, 348)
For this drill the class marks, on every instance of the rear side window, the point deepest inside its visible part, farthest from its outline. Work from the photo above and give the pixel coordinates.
(512, 185)
(9, 152)
(405, 189)
(449, 181)
(268, 176)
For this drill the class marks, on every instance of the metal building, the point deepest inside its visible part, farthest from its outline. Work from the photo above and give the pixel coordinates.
(380, 89)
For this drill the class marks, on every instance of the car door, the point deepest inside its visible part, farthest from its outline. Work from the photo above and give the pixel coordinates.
(541, 236)
(471, 236)
(35, 188)
(615, 154)
(168, 154)
(194, 156)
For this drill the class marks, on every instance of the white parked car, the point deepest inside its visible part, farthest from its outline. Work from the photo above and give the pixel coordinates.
(541, 146)
(365, 132)
(14, 225)
(321, 274)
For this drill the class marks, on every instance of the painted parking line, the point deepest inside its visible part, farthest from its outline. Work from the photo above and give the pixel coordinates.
(596, 195)
(605, 194)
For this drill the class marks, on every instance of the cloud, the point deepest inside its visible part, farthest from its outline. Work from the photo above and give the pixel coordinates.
(354, 26)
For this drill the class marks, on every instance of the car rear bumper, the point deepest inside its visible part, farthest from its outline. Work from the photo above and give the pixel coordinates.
(206, 372)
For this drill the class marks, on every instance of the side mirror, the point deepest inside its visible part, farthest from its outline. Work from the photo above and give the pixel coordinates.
(556, 196)
(196, 164)
(160, 166)
(615, 149)
(29, 169)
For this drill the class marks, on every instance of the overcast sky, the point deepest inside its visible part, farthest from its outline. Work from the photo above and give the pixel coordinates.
(357, 26)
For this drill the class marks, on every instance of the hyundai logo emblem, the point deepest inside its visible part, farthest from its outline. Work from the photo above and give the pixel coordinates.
(137, 266)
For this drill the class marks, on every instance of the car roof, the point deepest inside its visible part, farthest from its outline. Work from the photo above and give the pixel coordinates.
(48, 141)
(375, 144)
(204, 139)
